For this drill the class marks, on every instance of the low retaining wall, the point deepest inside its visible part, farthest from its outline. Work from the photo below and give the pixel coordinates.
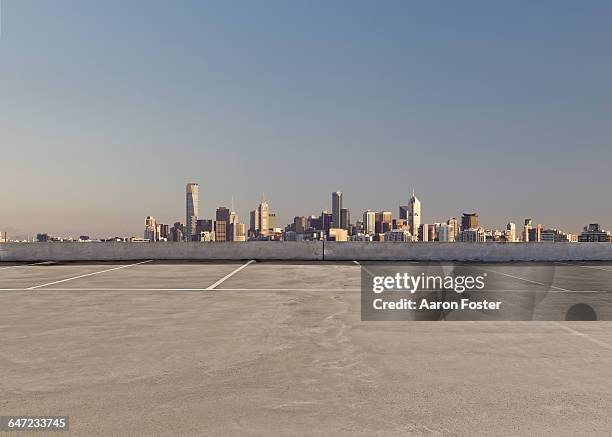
(115, 251)
(307, 251)
(490, 252)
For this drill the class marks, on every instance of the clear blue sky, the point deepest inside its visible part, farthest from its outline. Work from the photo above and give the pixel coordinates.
(108, 108)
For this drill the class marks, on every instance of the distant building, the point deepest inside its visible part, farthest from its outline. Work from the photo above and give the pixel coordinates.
(469, 221)
(254, 223)
(336, 234)
(272, 222)
(526, 230)
(535, 234)
(150, 232)
(221, 231)
(192, 209)
(369, 221)
(222, 214)
(3, 237)
(414, 216)
(398, 235)
(336, 207)
(556, 236)
(453, 223)
(204, 225)
(177, 232)
(403, 212)
(510, 234)
(299, 224)
(594, 233)
(345, 218)
(263, 218)
(474, 235)
(240, 232)
(445, 233)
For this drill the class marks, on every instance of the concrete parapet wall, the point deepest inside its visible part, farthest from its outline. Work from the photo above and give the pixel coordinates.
(489, 252)
(116, 251)
(306, 251)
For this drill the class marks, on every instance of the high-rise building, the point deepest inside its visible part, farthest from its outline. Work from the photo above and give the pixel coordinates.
(254, 223)
(336, 207)
(414, 216)
(526, 229)
(510, 233)
(403, 212)
(222, 214)
(263, 216)
(3, 237)
(150, 232)
(221, 231)
(454, 224)
(272, 222)
(239, 232)
(193, 210)
(369, 222)
(445, 232)
(345, 218)
(469, 221)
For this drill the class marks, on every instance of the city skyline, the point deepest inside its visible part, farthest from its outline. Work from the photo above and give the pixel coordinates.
(501, 109)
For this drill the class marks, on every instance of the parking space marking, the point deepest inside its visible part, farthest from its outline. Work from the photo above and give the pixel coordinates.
(229, 275)
(524, 279)
(27, 265)
(86, 274)
(586, 336)
(585, 267)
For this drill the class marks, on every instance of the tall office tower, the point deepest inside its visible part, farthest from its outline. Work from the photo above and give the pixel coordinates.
(254, 223)
(193, 210)
(336, 207)
(526, 229)
(510, 232)
(150, 232)
(414, 215)
(239, 231)
(469, 221)
(403, 212)
(272, 221)
(233, 222)
(222, 214)
(369, 222)
(454, 224)
(424, 232)
(345, 218)
(221, 230)
(263, 215)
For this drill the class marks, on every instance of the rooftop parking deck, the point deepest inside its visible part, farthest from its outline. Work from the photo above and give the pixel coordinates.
(278, 348)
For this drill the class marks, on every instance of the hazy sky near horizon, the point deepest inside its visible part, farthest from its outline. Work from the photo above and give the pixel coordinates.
(107, 110)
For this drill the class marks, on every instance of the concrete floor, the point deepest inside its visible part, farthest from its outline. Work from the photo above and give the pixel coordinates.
(279, 349)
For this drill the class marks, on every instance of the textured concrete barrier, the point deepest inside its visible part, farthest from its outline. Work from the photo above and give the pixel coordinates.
(490, 252)
(307, 251)
(114, 251)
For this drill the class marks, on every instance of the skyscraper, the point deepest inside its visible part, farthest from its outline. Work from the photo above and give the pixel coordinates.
(336, 207)
(345, 218)
(193, 210)
(263, 215)
(414, 216)
(469, 221)
(150, 232)
(369, 222)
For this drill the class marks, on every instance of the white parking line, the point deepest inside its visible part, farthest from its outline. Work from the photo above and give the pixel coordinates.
(229, 275)
(524, 279)
(85, 275)
(26, 265)
(586, 336)
(334, 290)
(585, 267)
